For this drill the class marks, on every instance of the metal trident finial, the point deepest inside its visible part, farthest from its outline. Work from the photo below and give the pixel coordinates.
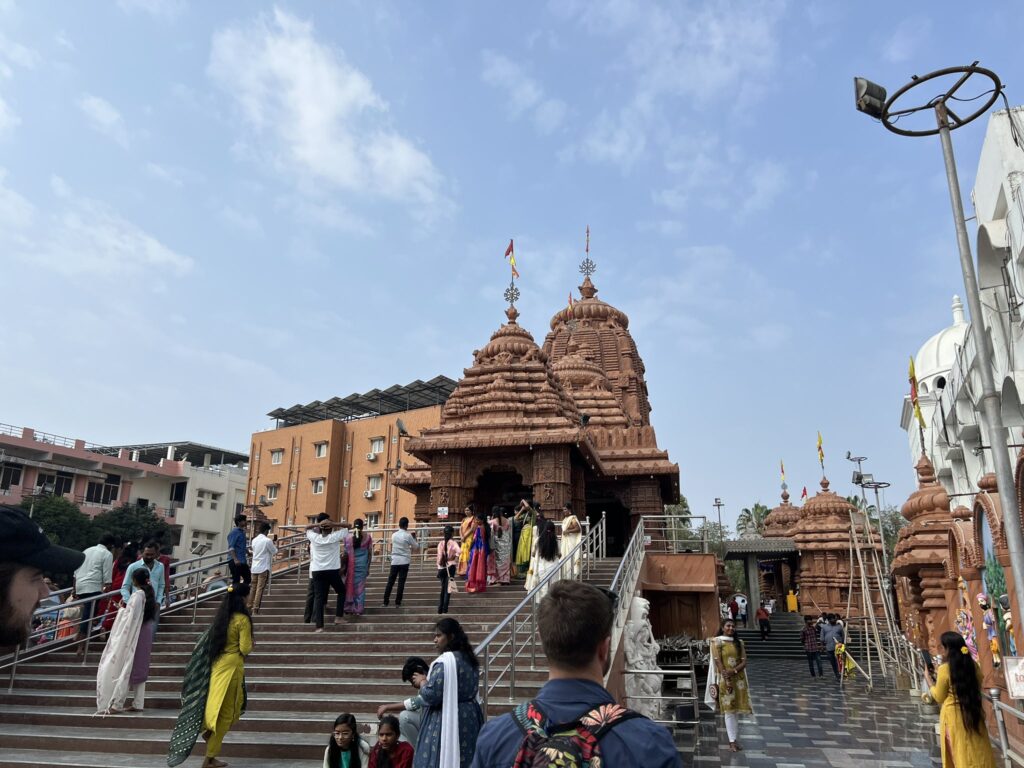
(588, 267)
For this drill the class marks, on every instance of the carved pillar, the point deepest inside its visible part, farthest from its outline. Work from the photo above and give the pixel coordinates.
(933, 605)
(578, 485)
(421, 509)
(551, 477)
(447, 484)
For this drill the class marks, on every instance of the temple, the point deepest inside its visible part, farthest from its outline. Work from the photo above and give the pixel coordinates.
(566, 422)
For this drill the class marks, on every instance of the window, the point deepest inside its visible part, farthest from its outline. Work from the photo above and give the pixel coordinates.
(376, 445)
(319, 450)
(10, 474)
(239, 508)
(44, 480)
(277, 456)
(272, 492)
(105, 492)
(65, 482)
(178, 491)
(318, 486)
(373, 519)
(373, 483)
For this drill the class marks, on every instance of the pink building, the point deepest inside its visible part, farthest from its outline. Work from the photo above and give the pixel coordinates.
(196, 488)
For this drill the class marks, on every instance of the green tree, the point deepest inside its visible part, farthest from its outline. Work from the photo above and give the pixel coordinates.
(892, 522)
(716, 536)
(130, 522)
(62, 521)
(678, 525)
(750, 522)
(734, 570)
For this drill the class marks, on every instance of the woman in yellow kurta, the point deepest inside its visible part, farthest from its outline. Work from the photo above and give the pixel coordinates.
(230, 643)
(466, 530)
(957, 688)
(732, 693)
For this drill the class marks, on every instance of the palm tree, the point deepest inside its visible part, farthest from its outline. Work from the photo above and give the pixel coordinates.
(750, 522)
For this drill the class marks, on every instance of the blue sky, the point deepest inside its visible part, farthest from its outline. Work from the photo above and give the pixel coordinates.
(208, 210)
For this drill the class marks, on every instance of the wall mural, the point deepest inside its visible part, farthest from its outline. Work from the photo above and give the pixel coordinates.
(994, 580)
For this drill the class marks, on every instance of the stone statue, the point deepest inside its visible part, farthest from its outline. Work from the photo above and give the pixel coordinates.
(642, 653)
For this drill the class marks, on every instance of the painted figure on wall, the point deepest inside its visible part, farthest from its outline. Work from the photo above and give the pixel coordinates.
(990, 623)
(994, 580)
(964, 623)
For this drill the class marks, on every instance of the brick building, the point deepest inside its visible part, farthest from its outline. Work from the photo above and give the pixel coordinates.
(339, 456)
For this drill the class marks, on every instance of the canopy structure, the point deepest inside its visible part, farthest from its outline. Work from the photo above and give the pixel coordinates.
(376, 402)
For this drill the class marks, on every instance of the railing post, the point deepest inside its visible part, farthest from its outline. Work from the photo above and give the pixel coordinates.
(993, 694)
(604, 534)
(14, 668)
(512, 667)
(195, 603)
(487, 671)
(533, 633)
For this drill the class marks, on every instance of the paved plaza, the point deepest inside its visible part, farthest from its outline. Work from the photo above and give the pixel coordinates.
(800, 721)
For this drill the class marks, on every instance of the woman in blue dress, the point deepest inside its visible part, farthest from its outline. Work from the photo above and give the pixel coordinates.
(358, 553)
(452, 717)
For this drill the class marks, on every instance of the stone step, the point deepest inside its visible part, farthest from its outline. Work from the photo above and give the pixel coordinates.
(47, 758)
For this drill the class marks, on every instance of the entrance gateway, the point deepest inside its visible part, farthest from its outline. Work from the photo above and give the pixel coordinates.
(568, 422)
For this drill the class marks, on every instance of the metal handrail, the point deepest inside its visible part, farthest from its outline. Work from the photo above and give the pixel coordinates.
(1010, 756)
(189, 595)
(590, 547)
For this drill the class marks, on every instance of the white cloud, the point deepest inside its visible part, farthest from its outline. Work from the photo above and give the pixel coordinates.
(317, 117)
(173, 176)
(62, 39)
(104, 118)
(243, 221)
(8, 120)
(12, 54)
(767, 181)
(523, 94)
(698, 55)
(906, 40)
(80, 237)
(167, 9)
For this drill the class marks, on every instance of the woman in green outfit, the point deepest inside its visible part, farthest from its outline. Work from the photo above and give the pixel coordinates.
(729, 689)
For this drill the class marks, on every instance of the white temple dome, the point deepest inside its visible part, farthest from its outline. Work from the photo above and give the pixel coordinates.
(936, 357)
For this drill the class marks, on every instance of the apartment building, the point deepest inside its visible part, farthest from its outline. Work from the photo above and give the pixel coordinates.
(196, 488)
(339, 456)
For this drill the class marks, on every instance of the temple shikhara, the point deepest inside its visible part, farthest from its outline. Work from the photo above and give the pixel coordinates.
(566, 421)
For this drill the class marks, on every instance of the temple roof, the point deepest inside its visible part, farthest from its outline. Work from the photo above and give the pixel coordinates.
(780, 521)
(600, 332)
(508, 397)
(768, 545)
(925, 540)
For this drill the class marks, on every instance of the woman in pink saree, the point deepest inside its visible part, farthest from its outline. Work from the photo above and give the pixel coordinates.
(358, 554)
(479, 557)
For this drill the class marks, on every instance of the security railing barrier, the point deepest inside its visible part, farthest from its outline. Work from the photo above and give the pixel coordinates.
(521, 624)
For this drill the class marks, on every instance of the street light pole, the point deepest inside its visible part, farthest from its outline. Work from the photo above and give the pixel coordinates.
(718, 507)
(871, 100)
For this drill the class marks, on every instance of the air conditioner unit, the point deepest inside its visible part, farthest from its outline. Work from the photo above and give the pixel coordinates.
(371, 456)
(367, 494)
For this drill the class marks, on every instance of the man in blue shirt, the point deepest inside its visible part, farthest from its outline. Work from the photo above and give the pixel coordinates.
(575, 623)
(149, 560)
(238, 564)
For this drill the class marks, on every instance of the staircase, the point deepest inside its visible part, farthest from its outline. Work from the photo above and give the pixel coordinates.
(297, 681)
(782, 643)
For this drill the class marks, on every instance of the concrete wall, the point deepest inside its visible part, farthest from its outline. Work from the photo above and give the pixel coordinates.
(347, 469)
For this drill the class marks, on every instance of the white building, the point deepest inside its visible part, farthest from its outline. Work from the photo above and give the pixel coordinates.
(956, 438)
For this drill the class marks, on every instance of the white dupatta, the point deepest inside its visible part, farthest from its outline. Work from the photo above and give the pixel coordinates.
(713, 677)
(116, 662)
(450, 755)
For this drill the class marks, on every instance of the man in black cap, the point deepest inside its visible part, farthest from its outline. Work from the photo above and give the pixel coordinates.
(25, 553)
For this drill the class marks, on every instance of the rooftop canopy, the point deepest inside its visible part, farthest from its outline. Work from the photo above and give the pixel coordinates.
(739, 549)
(151, 453)
(376, 402)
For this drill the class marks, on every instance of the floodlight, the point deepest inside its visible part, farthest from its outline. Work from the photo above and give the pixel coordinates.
(870, 97)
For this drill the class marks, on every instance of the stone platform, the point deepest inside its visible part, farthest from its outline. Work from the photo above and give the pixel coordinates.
(804, 722)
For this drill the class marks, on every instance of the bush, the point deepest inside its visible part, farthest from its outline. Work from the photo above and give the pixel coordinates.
(133, 523)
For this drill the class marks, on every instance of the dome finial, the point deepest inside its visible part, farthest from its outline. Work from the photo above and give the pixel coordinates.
(958, 311)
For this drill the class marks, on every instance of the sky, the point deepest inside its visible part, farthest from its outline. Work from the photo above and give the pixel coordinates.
(210, 210)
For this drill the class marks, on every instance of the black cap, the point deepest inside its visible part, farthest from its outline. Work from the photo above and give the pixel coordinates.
(22, 541)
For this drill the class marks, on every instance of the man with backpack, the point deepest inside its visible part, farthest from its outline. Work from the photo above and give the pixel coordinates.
(574, 718)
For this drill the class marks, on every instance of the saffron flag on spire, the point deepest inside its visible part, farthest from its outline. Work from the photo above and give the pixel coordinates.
(782, 471)
(803, 495)
(510, 254)
(913, 395)
(571, 302)
(821, 451)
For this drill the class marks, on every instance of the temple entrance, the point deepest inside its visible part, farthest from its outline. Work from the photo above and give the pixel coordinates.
(616, 520)
(500, 485)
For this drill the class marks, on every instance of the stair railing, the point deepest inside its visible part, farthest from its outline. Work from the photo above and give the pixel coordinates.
(521, 624)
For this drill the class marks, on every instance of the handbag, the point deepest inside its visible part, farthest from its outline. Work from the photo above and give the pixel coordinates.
(453, 587)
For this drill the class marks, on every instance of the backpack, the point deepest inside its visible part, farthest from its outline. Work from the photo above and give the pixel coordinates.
(573, 745)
